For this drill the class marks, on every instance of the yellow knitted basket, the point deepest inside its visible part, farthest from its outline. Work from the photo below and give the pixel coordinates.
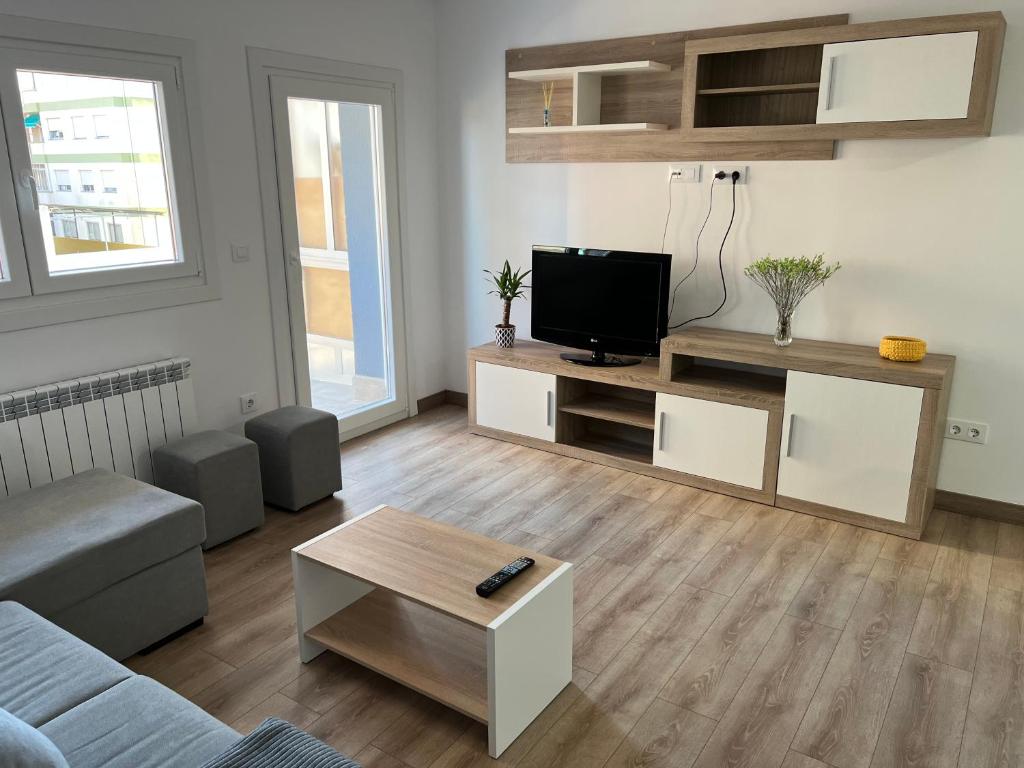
(902, 348)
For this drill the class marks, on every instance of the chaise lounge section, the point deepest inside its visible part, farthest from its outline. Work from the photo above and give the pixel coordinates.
(114, 561)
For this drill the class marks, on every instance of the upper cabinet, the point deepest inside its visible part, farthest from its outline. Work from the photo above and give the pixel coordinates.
(931, 77)
(922, 77)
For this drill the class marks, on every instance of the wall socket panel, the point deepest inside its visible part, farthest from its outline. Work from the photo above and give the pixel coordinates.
(968, 431)
(728, 169)
(248, 402)
(688, 173)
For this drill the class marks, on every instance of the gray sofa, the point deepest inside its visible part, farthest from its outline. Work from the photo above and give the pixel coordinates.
(114, 561)
(96, 711)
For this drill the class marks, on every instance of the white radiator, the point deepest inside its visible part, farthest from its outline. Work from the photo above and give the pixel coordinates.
(112, 420)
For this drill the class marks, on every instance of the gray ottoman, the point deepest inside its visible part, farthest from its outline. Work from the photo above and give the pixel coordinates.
(299, 457)
(222, 472)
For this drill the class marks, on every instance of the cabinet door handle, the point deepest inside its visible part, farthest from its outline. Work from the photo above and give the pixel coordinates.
(661, 430)
(789, 435)
(551, 408)
(830, 72)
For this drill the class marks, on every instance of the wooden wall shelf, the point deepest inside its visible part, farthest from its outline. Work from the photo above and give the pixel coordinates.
(568, 73)
(600, 128)
(756, 89)
(636, 83)
(784, 90)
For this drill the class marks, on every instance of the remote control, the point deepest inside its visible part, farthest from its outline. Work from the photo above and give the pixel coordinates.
(490, 585)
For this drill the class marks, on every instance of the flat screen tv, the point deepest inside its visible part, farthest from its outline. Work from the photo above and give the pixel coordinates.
(608, 302)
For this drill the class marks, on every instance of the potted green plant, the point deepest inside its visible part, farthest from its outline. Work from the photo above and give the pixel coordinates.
(508, 285)
(788, 281)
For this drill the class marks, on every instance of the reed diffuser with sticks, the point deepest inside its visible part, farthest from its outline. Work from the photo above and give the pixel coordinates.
(549, 92)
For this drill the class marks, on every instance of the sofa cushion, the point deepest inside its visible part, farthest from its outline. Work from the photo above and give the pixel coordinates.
(281, 745)
(22, 746)
(139, 724)
(44, 671)
(63, 542)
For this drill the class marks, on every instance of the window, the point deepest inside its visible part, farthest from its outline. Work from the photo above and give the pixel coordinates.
(114, 225)
(42, 178)
(109, 182)
(54, 129)
(79, 126)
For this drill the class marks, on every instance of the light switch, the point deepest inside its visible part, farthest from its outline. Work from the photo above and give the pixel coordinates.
(239, 253)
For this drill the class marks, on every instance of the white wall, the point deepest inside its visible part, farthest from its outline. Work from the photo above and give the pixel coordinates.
(229, 341)
(928, 231)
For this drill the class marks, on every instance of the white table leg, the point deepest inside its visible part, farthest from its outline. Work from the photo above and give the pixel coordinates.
(529, 658)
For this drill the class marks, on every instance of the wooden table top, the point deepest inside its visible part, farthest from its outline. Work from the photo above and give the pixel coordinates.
(431, 563)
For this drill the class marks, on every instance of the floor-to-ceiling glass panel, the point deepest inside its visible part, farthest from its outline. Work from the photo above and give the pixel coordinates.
(340, 212)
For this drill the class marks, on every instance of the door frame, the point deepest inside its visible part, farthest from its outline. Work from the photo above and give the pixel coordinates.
(263, 65)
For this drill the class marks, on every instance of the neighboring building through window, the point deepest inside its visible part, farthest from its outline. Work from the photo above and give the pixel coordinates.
(93, 229)
(88, 179)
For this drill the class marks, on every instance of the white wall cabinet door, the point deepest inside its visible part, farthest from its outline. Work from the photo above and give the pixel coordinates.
(515, 400)
(849, 444)
(924, 77)
(708, 439)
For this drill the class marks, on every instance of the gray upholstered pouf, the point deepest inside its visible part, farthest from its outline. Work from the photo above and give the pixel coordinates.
(222, 472)
(299, 457)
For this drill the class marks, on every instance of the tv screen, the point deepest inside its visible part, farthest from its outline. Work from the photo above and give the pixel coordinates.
(603, 301)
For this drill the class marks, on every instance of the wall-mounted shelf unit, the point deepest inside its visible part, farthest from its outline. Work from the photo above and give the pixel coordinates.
(783, 90)
(930, 78)
(620, 100)
(828, 429)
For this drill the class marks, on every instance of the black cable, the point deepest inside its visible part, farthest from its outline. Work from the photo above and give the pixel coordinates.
(696, 248)
(721, 267)
(668, 216)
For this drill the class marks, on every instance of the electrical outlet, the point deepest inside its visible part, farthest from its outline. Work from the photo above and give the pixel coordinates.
(248, 402)
(968, 431)
(685, 174)
(728, 169)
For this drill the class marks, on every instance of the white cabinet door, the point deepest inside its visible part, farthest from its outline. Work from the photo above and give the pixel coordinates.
(707, 439)
(849, 444)
(925, 77)
(515, 400)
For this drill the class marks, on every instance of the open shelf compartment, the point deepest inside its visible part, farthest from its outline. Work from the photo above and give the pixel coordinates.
(772, 86)
(607, 419)
(423, 649)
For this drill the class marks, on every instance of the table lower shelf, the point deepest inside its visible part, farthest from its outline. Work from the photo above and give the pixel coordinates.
(432, 653)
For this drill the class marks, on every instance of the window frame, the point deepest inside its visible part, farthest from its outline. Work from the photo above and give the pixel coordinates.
(33, 297)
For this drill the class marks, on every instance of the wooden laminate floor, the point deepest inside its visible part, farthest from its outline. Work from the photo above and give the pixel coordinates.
(709, 631)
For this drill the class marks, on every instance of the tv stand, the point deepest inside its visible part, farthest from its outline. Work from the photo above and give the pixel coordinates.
(826, 429)
(599, 359)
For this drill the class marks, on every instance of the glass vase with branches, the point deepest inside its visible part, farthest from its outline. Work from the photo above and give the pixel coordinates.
(788, 281)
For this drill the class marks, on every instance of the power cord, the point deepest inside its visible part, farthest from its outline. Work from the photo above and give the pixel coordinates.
(721, 249)
(696, 248)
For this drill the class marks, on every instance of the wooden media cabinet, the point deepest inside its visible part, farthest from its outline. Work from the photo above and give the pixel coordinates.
(818, 427)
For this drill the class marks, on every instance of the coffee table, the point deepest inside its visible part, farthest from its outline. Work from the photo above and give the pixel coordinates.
(394, 592)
